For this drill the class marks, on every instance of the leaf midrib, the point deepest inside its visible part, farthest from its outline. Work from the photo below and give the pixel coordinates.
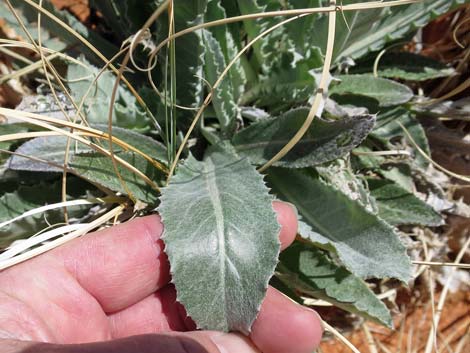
(214, 194)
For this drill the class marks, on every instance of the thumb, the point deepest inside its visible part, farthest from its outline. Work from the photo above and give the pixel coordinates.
(190, 342)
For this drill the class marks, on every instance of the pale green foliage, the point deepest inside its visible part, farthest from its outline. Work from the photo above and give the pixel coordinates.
(224, 103)
(91, 165)
(47, 154)
(371, 30)
(221, 237)
(100, 170)
(386, 92)
(309, 270)
(365, 244)
(398, 206)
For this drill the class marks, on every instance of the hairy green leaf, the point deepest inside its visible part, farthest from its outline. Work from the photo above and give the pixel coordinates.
(406, 66)
(398, 206)
(47, 154)
(312, 272)
(323, 142)
(99, 170)
(223, 100)
(385, 91)
(189, 58)
(283, 86)
(365, 244)
(371, 30)
(237, 75)
(221, 237)
(52, 149)
(93, 166)
(255, 27)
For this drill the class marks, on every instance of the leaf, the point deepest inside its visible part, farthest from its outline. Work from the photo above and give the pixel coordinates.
(237, 75)
(283, 86)
(398, 206)
(6, 129)
(52, 149)
(94, 166)
(45, 104)
(143, 143)
(25, 198)
(399, 173)
(221, 237)
(315, 274)
(385, 91)
(44, 149)
(223, 100)
(324, 141)
(127, 113)
(190, 51)
(99, 169)
(371, 30)
(366, 245)
(406, 66)
(257, 26)
(387, 130)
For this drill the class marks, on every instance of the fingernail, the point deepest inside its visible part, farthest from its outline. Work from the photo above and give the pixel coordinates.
(294, 209)
(231, 342)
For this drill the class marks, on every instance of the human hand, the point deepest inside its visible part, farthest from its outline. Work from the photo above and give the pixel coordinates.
(109, 292)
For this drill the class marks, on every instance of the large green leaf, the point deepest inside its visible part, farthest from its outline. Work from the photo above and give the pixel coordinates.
(93, 166)
(323, 142)
(386, 92)
(312, 272)
(221, 238)
(99, 170)
(255, 27)
(365, 244)
(398, 206)
(52, 149)
(371, 30)
(406, 66)
(47, 154)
